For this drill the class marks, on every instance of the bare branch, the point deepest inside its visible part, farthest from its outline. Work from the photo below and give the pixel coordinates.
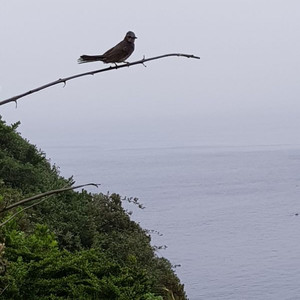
(4, 290)
(49, 193)
(20, 211)
(64, 80)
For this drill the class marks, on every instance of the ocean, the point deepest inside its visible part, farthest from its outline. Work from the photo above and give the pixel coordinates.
(228, 215)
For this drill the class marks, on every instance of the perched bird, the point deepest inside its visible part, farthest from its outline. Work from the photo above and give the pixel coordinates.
(117, 54)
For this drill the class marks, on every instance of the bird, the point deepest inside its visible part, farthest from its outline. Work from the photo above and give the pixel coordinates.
(117, 54)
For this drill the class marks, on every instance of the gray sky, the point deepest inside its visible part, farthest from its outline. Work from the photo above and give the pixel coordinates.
(244, 90)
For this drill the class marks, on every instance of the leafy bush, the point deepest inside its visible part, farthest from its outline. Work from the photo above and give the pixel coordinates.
(38, 269)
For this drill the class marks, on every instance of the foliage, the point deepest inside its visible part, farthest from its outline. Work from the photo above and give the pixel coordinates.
(74, 245)
(38, 269)
(22, 166)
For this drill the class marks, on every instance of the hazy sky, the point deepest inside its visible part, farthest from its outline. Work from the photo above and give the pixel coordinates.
(244, 90)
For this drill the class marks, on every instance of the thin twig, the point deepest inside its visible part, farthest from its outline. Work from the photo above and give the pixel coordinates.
(49, 193)
(64, 80)
(4, 290)
(23, 209)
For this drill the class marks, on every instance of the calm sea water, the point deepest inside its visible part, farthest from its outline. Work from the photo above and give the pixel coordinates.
(228, 215)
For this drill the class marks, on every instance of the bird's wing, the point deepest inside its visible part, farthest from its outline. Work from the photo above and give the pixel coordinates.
(116, 49)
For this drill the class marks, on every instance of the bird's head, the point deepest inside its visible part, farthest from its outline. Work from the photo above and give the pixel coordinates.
(130, 37)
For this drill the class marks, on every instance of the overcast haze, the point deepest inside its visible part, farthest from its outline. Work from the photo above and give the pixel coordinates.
(244, 90)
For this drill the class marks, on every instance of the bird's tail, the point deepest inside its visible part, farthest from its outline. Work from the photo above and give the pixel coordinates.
(89, 58)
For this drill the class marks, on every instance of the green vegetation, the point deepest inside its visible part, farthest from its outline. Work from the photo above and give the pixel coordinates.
(73, 245)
